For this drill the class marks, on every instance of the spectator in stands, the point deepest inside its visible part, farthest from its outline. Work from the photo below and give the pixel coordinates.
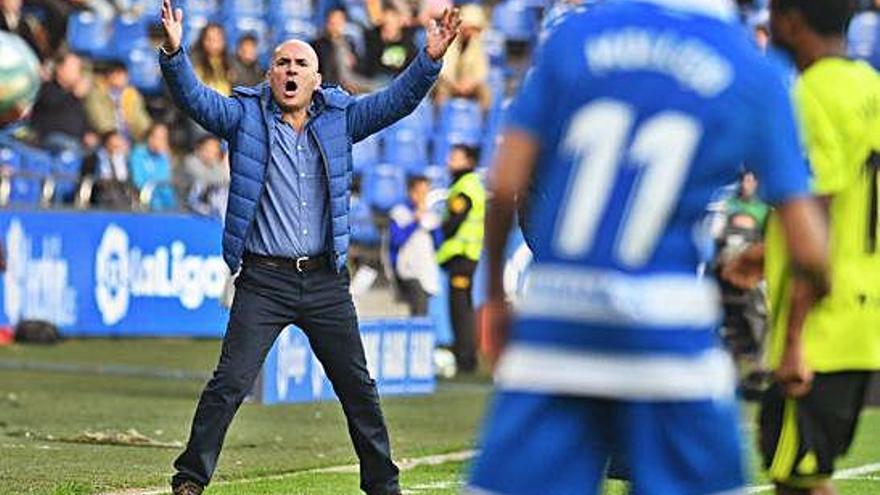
(27, 26)
(414, 231)
(113, 103)
(207, 177)
(460, 251)
(336, 54)
(59, 118)
(747, 202)
(210, 60)
(245, 69)
(151, 172)
(390, 46)
(107, 167)
(466, 66)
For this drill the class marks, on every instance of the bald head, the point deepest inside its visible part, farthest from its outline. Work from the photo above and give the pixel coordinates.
(297, 48)
(293, 75)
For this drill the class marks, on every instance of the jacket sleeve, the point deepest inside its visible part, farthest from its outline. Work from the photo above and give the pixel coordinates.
(216, 113)
(374, 112)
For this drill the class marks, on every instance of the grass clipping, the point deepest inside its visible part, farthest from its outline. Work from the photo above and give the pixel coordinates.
(130, 438)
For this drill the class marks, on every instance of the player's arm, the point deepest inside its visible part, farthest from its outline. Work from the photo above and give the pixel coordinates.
(528, 117)
(808, 245)
(777, 159)
(510, 177)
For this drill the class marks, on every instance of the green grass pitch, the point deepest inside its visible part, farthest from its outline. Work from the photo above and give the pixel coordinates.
(46, 414)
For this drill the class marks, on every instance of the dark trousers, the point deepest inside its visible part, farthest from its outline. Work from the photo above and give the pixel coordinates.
(267, 299)
(461, 312)
(414, 295)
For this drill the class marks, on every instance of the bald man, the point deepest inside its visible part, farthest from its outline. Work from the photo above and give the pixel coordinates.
(287, 231)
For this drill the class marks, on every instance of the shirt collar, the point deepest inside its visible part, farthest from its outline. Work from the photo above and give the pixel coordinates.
(721, 9)
(312, 111)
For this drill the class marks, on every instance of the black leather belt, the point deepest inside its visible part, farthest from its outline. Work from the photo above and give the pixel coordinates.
(302, 264)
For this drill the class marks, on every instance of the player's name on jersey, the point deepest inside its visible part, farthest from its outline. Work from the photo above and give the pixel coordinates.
(691, 62)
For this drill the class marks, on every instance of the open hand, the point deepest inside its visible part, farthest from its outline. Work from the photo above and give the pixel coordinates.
(172, 21)
(441, 34)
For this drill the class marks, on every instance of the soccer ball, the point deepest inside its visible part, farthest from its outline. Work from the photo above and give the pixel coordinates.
(444, 363)
(19, 78)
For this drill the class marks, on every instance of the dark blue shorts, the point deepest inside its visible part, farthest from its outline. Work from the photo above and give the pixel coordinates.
(537, 444)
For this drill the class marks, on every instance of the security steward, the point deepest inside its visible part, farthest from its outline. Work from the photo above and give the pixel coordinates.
(460, 252)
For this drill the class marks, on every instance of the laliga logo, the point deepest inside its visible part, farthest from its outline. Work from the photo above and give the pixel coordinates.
(111, 275)
(123, 272)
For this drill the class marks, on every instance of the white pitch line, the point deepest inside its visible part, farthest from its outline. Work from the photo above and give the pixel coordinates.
(434, 460)
(844, 474)
(404, 465)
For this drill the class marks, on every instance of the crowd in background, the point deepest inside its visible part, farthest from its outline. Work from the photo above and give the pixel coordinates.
(137, 151)
(103, 112)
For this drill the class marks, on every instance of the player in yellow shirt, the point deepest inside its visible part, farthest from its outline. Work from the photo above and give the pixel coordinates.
(823, 351)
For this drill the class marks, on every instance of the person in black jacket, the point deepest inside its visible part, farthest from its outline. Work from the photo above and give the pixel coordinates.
(59, 117)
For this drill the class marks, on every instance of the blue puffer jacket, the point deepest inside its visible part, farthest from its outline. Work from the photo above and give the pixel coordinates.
(340, 121)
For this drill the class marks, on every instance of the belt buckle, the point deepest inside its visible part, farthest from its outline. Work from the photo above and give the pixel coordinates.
(299, 261)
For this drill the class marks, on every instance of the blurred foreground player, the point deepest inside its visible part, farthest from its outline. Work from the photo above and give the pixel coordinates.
(634, 114)
(822, 357)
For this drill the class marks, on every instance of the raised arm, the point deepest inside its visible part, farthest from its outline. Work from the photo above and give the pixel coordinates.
(372, 113)
(216, 113)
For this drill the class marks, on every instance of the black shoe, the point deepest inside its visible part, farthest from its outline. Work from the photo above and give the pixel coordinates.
(188, 488)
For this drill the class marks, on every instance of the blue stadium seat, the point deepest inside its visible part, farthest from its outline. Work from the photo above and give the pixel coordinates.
(67, 163)
(384, 186)
(363, 228)
(537, 4)
(405, 146)
(150, 10)
(516, 20)
(285, 9)
(202, 8)
(294, 28)
(143, 70)
(126, 33)
(87, 34)
(238, 26)
(365, 154)
(438, 175)
(65, 171)
(424, 115)
(37, 162)
(461, 121)
(252, 8)
(10, 157)
(26, 190)
(493, 128)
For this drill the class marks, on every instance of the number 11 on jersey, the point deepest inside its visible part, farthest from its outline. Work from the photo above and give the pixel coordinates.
(662, 148)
